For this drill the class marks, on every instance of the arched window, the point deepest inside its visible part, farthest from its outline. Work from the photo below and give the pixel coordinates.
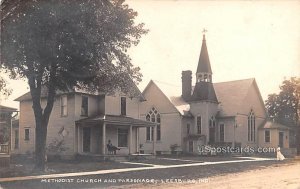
(251, 126)
(212, 122)
(154, 117)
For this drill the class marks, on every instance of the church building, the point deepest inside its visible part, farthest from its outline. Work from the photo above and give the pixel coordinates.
(204, 113)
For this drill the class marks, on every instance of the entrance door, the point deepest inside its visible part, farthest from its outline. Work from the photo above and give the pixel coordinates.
(191, 146)
(86, 139)
(212, 135)
(281, 139)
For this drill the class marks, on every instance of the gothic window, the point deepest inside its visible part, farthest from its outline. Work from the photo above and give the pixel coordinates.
(251, 127)
(212, 122)
(154, 117)
(222, 132)
(188, 127)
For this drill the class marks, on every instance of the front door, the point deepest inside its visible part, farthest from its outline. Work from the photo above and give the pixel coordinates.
(281, 139)
(86, 139)
(191, 146)
(212, 135)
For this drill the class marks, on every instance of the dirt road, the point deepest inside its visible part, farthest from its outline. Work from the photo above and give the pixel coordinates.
(277, 176)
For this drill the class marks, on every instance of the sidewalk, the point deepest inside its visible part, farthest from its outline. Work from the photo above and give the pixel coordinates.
(153, 166)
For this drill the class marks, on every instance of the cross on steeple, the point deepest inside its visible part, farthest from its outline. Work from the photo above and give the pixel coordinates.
(204, 31)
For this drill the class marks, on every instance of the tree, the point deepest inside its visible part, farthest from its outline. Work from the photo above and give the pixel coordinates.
(65, 44)
(285, 106)
(4, 90)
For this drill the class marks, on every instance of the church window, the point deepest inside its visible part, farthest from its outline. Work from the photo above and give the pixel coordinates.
(199, 124)
(154, 117)
(267, 136)
(222, 132)
(251, 127)
(212, 122)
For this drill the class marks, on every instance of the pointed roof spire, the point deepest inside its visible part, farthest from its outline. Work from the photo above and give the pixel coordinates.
(204, 63)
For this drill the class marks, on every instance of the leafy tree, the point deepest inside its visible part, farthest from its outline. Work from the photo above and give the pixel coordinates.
(285, 106)
(65, 44)
(4, 90)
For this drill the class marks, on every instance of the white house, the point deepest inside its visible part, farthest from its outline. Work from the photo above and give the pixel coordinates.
(83, 123)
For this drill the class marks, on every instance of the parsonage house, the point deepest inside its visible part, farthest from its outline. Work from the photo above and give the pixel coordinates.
(161, 117)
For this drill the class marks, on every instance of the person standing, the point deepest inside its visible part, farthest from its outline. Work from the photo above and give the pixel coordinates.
(280, 156)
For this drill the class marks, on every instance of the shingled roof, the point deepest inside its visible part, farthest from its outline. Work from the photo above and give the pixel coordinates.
(230, 95)
(204, 63)
(204, 91)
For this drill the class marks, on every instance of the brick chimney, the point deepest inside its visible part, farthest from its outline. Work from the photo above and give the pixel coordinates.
(186, 84)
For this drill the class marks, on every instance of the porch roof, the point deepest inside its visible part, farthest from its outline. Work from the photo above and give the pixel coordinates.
(116, 119)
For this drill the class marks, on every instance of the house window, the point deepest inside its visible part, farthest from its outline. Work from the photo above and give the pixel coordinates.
(122, 137)
(199, 124)
(26, 134)
(267, 136)
(154, 117)
(63, 105)
(188, 127)
(251, 126)
(123, 105)
(222, 132)
(16, 138)
(84, 105)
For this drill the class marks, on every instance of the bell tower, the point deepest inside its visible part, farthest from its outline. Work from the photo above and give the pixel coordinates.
(204, 73)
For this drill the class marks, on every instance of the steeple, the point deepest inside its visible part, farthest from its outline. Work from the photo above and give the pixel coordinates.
(204, 72)
(204, 89)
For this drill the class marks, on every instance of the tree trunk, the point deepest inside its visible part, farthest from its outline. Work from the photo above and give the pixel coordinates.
(40, 144)
(298, 140)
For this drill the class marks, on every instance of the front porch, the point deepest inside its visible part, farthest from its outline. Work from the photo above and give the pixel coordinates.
(92, 135)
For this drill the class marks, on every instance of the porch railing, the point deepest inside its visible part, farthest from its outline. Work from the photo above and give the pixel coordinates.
(4, 148)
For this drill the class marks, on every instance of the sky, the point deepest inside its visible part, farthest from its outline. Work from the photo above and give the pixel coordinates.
(245, 39)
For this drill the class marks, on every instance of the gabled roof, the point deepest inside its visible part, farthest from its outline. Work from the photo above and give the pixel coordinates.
(204, 63)
(231, 95)
(44, 93)
(173, 94)
(7, 109)
(274, 125)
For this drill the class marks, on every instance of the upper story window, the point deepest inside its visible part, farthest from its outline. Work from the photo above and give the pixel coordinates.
(123, 106)
(267, 136)
(84, 105)
(251, 126)
(26, 132)
(153, 116)
(199, 124)
(64, 105)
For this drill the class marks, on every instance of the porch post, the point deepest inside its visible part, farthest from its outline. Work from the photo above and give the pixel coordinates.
(137, 141)
(79, 142)
(103, 138)
(130, 140)
(154, 139)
